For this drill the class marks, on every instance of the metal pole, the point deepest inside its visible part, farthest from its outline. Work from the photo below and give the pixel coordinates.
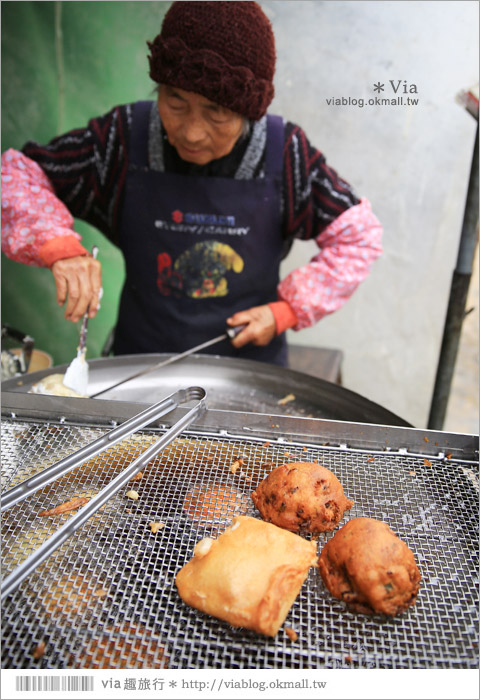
(458, 296)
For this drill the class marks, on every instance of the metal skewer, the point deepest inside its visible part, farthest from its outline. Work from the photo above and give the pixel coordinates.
(230, 333)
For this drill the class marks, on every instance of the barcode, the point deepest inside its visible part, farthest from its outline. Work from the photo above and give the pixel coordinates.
(50, 683)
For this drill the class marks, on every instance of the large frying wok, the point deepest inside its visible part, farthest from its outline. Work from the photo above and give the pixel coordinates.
(232, 385)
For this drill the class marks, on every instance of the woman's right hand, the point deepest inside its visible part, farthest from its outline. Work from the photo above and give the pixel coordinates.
(78, 281)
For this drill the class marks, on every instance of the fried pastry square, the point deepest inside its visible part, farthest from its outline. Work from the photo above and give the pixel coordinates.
(250, 576)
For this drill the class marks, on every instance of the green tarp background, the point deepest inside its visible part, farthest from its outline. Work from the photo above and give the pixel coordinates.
(62, 64)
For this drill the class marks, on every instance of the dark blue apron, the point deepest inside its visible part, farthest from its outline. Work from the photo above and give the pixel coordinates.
(197, 249)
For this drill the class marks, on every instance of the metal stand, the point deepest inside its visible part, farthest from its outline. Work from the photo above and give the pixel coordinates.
(456, 305)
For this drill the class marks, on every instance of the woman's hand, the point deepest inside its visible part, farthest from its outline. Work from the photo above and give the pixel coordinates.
(79, 281)
(260, 328)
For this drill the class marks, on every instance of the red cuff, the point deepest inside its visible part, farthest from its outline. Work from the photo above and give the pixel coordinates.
(59, 248)
(285, 316)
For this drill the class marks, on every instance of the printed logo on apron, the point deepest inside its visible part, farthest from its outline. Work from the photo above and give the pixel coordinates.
(199, 271)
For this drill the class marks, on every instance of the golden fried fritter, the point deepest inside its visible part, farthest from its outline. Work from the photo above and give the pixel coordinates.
(125, 645)
(214, 502)
(366, 565)
(302, 497)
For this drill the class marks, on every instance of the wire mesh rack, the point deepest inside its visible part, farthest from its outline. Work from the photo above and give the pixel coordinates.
(107, 597)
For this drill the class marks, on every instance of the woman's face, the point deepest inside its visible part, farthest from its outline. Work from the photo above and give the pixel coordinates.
(200, 130)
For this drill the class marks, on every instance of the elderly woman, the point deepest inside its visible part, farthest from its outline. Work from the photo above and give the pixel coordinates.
(202, 191)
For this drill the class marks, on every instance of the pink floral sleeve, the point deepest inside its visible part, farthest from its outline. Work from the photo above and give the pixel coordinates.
(37, 229)
(31, 213)
(348, 247)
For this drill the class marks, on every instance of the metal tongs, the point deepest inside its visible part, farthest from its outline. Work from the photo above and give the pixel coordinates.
(29, 486)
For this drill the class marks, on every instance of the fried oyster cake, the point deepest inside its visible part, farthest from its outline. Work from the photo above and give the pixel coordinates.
(302, 497)
(369, 567)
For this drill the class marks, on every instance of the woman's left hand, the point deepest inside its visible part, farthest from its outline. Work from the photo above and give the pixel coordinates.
(260, 326)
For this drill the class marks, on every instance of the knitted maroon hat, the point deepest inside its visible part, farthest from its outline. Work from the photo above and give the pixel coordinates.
(224, 51)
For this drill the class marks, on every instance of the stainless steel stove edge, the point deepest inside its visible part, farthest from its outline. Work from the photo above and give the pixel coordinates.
(442, 446)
